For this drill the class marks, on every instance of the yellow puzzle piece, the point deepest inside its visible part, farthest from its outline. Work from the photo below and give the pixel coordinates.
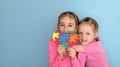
(55, 36)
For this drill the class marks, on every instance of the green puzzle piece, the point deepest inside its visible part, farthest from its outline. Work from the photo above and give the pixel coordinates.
(65, 44)
(71, 32)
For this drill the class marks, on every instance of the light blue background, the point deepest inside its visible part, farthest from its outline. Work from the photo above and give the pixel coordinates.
(27, 25)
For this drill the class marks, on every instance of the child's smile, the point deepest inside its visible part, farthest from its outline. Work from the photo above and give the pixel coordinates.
(86, 34)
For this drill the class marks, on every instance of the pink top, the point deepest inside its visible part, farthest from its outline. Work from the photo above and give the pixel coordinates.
(54, 61)
(94, 55)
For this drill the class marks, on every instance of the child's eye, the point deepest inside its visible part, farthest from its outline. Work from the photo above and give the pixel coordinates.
(80, 33)
(70, 25)
(61, 25)
(88, 33)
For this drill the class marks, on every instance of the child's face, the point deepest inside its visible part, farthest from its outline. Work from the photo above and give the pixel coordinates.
(86, 34)
(67, 24)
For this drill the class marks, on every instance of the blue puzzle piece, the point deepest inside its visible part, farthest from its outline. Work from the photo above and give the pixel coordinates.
(66, 36)
(62, 39)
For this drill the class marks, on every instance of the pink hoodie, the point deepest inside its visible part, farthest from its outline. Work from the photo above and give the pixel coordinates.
(94, 55)
(54, 61)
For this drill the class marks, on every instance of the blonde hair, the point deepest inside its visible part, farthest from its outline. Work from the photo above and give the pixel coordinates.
(91, 22)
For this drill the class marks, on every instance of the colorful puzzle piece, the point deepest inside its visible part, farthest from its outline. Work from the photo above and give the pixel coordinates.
(55, 36)
(65, 44)
(71, 32)
(73, 37)
(64, 37)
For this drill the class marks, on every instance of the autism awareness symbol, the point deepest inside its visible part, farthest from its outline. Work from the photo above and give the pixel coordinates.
(64, 38)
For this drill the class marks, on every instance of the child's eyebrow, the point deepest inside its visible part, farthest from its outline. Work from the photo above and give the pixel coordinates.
(70, 23)
(61, 23)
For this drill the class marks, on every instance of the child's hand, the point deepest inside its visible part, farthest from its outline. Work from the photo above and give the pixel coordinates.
(61, 51)
(72, 53)
(78, 48)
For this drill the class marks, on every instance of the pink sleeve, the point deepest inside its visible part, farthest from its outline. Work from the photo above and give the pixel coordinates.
(80, 61)
(54, 61)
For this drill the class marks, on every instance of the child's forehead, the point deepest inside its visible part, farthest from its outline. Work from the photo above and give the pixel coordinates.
(86, 27)
(67, 20)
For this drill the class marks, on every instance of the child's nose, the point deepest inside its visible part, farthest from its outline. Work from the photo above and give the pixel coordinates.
(83, 36)
(65, 30)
